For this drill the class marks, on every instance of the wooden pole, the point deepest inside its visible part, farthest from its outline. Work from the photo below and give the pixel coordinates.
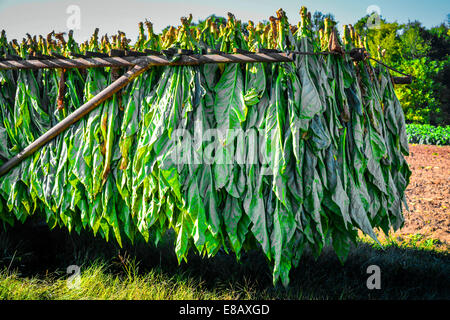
(152, 60)
(402, 80)
(139, 67)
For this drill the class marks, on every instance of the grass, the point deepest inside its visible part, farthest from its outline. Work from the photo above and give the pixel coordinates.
(415, 241)
(96, 282)
(33, 266)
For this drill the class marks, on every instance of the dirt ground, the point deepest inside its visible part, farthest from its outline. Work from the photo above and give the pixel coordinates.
(428, 193)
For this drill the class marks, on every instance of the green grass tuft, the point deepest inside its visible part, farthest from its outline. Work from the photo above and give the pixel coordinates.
(33, 266)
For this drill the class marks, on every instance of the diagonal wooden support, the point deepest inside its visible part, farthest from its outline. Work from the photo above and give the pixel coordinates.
(141, 65)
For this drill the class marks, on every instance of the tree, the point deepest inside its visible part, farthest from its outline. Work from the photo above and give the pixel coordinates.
(439, 41)
(217, 19)
(386, 36)
(423, 53)
(318, 20)
(413, 44)
(420, 100)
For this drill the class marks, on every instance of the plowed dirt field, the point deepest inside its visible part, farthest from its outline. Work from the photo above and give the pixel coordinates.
(428, 193)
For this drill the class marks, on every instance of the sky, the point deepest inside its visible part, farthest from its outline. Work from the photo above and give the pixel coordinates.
(18, 17)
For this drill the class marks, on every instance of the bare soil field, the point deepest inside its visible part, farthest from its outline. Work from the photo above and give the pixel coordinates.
(428, 193)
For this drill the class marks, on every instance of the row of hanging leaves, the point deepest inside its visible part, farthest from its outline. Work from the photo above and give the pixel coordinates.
(331, 161)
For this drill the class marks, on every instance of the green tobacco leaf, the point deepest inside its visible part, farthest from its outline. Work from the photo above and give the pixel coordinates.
(230, 109)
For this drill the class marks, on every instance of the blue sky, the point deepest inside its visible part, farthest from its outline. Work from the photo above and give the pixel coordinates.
(42, 16)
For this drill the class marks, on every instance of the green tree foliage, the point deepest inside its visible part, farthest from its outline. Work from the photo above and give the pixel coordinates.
(423, 53)
(384, 36)
(318, 20)
(420, 100)
(412, 42)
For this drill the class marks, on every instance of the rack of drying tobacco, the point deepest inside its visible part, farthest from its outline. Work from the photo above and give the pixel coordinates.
(98, 149)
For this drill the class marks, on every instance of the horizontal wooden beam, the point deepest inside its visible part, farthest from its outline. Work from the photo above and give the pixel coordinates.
(402, 80)
(152, 60)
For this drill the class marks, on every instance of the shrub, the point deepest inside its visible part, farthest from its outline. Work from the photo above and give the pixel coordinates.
(428, 134)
